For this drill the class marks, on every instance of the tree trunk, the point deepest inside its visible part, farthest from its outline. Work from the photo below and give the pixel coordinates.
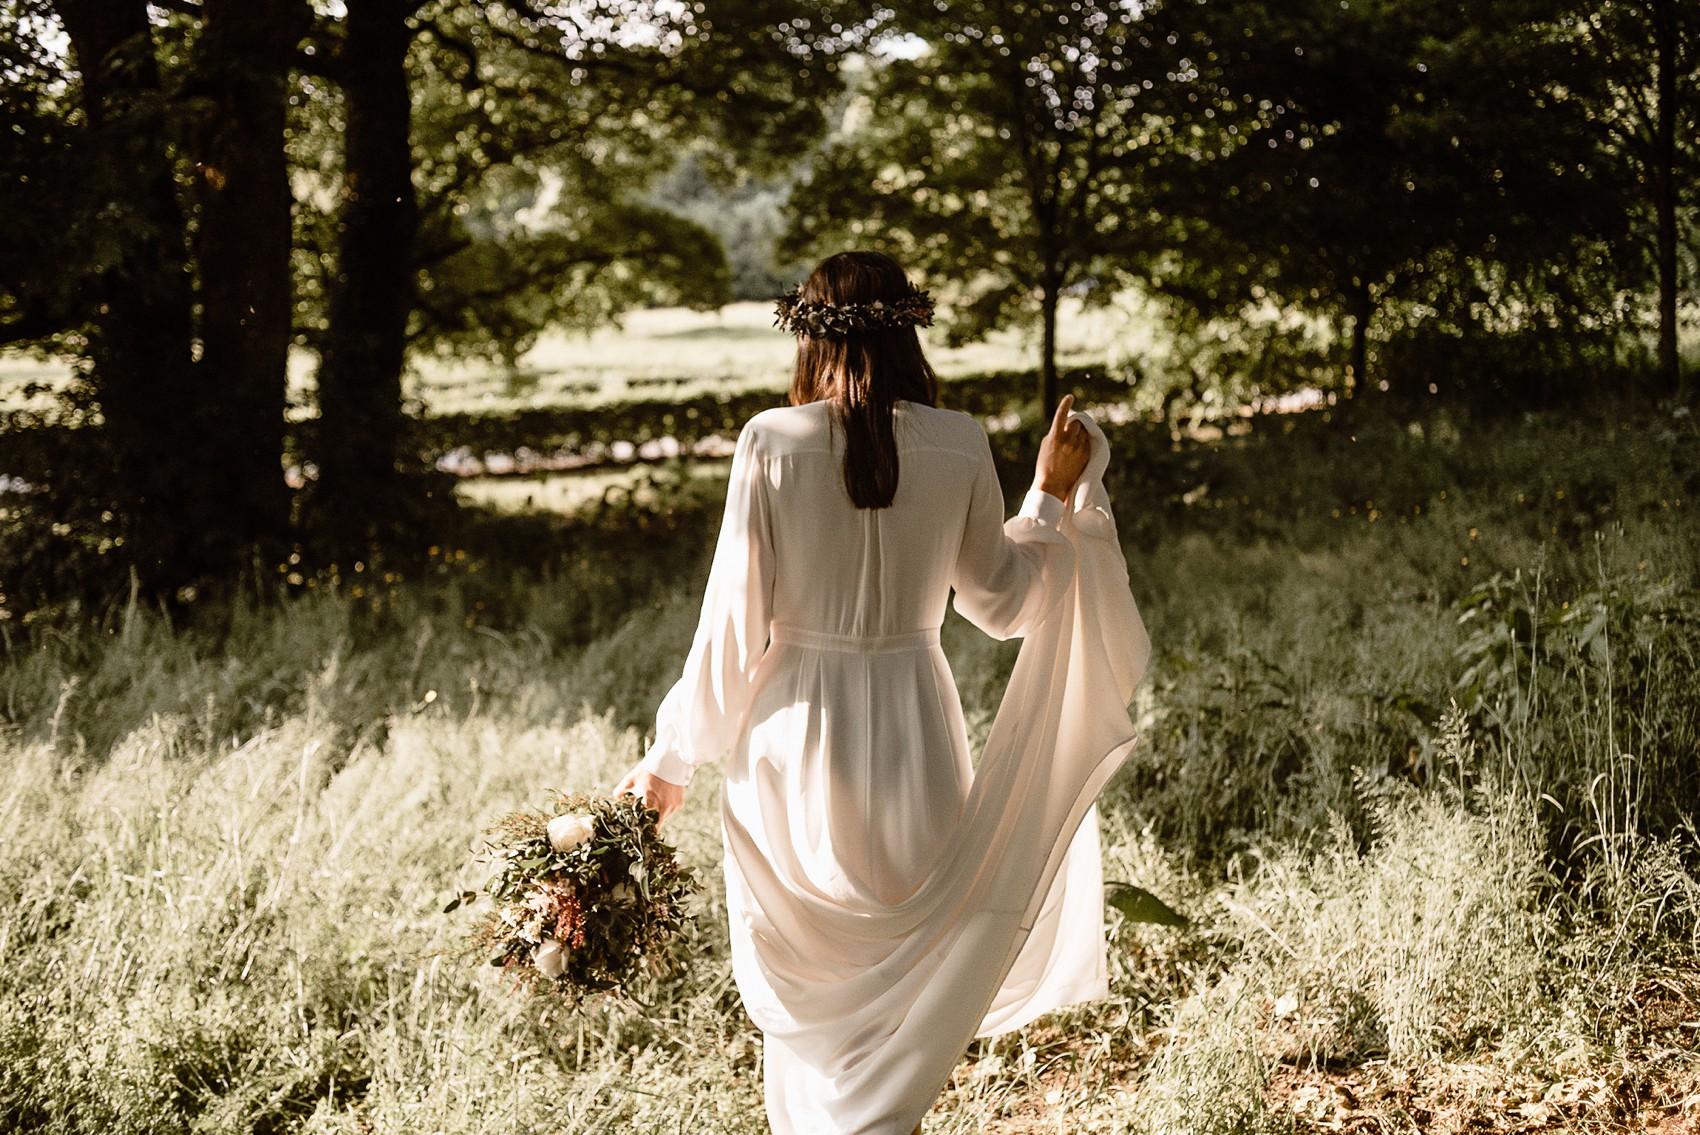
(1050, 293)
(1664, 190)
(1362, 310)
(140, 343)
(361, 492)
(245, 238)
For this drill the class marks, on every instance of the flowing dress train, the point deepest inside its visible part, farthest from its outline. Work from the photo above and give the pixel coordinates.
(888, 901)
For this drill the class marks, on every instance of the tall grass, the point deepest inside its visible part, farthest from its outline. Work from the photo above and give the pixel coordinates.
(224, 847)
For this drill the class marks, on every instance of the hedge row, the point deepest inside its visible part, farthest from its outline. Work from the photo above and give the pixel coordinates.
(594, 430)
(568, 436)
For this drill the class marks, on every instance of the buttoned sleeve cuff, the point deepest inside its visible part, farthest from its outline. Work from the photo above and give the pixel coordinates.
(669, 766)
(1041, 506)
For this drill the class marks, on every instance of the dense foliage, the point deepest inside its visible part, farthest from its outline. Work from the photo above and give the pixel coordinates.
(1486, 170)
(394, 176)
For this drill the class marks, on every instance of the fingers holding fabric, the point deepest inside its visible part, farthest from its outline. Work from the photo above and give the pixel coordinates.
(1060, 419)
(1064, 452)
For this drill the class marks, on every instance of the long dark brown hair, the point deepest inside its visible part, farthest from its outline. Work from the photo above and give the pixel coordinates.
(863, 373)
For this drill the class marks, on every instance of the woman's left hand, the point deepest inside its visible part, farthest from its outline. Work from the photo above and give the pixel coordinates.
(1063, 454)
(662, 795)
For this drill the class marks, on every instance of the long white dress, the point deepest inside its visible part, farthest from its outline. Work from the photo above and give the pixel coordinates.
(888, 902)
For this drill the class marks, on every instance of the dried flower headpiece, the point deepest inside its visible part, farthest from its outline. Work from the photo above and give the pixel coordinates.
(805, 317)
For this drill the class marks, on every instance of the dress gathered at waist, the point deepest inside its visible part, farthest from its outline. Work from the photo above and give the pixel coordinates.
(923, 639)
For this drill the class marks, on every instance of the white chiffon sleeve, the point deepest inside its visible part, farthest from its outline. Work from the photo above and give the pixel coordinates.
(1009, 574)
(699, 718)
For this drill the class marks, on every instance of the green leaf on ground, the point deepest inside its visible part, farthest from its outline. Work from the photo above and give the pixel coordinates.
(1139, 905)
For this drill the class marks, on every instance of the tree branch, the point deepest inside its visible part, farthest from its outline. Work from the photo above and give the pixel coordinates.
(607, 62)
(432, 257)
(458, 47)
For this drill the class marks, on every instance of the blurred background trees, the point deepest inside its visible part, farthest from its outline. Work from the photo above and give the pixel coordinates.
(1396, 161)
(1003, 158)
(1490, 199)
(1646, 54)
(201, 183)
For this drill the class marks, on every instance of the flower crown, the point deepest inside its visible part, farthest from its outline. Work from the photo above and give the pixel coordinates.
(806, 317)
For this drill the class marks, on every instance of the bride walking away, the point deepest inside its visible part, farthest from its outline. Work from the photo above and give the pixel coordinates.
(888, 900)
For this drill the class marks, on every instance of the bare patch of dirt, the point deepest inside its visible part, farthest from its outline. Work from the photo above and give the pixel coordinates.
(1053, 1082)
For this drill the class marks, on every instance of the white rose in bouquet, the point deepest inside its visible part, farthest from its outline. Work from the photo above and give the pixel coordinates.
(567, 832)
(550, 959)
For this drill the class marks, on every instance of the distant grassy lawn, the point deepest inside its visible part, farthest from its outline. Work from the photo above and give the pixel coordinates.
(660, 352)
(665, 351)
(640, 485)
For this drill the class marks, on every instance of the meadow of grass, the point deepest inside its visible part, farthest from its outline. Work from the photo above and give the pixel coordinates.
(1418, 759)
(658, 352)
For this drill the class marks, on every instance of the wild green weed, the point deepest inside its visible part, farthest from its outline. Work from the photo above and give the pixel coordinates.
(1210, 1078)
(250, 941)
(1592, 697)
(1426, 943)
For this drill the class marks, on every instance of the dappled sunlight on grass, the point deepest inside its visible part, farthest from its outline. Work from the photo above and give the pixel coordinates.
(229, 842)
(676, 353)
(642, 485)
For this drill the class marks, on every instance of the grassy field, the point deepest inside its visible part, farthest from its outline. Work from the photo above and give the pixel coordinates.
(663, 352)
(1419, 760)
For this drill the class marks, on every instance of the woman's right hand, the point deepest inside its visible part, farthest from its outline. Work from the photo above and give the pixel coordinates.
(1063, 454)
(662, 795)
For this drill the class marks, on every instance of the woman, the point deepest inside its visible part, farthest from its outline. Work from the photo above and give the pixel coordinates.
(888, 901)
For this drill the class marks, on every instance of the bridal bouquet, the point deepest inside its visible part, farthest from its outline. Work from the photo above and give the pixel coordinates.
(586, 897)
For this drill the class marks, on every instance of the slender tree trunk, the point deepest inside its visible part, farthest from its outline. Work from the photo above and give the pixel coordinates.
(1361, 309)
(361, 491)
(1664, 190)
(1049, 295)
(245, 237)
(140, 344)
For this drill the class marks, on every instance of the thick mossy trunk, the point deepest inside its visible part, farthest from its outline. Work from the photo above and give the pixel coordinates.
(362, 492)
(244, 235)
(140, 341)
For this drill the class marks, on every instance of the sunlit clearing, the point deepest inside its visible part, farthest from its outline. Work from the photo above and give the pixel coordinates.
(906, 46)
(659, 24)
